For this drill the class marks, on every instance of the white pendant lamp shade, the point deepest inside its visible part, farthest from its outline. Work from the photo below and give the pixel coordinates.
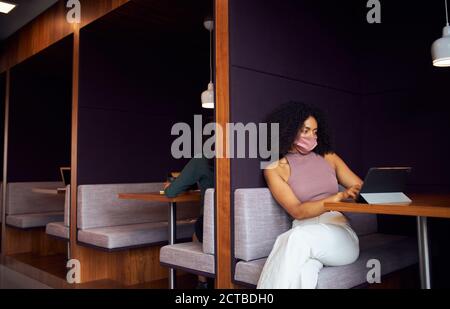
(208, 97)
(440, 50)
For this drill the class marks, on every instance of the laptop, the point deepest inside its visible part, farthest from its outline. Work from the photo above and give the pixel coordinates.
(384, 185)
(65, 175)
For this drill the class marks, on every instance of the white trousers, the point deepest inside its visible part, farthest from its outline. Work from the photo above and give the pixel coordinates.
(299, 254)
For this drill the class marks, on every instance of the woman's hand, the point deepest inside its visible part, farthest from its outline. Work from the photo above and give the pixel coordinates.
(351, 192)
(166, 185)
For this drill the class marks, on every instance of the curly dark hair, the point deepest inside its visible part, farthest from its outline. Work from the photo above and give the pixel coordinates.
(291, 116)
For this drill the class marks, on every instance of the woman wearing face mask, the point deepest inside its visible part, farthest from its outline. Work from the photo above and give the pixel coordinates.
(304, 179)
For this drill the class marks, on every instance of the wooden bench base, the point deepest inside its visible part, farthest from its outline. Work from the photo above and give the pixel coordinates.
(128, 267)
(34, 241)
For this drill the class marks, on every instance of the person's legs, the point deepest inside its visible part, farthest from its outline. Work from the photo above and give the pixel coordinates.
(299, 254)
(198, 237)
(201, 279)
(290, 251)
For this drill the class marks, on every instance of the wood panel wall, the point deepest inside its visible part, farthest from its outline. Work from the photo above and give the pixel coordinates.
(50, 27)
(223, 193)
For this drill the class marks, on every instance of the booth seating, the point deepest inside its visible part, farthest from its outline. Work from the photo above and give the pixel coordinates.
(108, 223)
(26, 209)
(259, 220)
(195, 257)
(61, 229)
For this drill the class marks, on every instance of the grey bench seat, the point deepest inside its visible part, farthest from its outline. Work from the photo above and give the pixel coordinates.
(259, 220)
(28, 221)
(26, 209)
(194, 257)
(133, 235)
(188, 256)
(394, 253)
(57, 229)
(107, 222)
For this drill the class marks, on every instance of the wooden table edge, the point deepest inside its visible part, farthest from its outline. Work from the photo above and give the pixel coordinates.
(157, 197)
(391, 209)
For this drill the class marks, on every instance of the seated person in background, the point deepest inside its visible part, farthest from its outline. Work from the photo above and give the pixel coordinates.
(198, 171)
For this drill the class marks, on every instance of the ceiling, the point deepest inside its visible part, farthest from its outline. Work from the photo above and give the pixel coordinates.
(23, 13)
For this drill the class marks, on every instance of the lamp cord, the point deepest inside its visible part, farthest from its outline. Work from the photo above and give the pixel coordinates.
(446, 12)
(210, 56)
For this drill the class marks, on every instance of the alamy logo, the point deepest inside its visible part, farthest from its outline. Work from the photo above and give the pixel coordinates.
(74, 14)
(374, 274)
(374, 14)
(235, 140)
(74, 273)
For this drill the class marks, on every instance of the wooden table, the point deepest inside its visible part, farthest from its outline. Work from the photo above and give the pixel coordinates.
(51, 191)
(193, 196)
(423, 206)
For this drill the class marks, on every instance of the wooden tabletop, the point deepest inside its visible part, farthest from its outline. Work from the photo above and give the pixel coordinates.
(423, 205)
(192, 196)
(51, 191)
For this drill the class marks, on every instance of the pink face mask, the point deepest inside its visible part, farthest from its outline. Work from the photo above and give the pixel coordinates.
(305, 145)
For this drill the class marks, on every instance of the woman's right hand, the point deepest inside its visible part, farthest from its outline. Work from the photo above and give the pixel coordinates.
(351, 192)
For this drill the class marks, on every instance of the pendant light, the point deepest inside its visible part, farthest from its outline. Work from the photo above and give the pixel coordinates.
(208, 97)
(440, 50)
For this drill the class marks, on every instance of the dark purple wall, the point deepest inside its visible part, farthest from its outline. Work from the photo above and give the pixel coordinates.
(294, 50)
(40, 115)
(406, 112)
(405, 101)
(385, 101)
(134, 86)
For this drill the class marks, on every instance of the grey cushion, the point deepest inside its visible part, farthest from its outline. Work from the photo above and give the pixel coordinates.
(188, 255)
(394, 252)
(27, 221)
(258, 222)
(208, 222)
(99, 206)
(58, 229)
(123, 236)
(249, 271)
(22, 200)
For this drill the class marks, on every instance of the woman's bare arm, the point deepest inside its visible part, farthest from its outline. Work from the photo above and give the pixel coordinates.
(284, 195)
(344, 174)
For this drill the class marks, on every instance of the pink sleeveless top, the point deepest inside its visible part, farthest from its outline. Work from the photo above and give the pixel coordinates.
(312, 177)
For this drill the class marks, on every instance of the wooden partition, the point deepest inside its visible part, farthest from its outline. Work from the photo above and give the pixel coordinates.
(223, 174)
(142, 69)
